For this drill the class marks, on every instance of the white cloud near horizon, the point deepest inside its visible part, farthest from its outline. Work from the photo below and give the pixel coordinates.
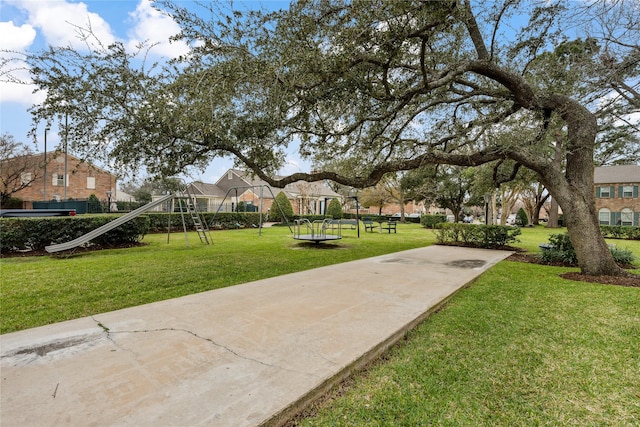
(60, 23)
(156, 27)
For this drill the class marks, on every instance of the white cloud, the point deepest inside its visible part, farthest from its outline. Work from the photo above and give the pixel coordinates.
(59, 22)
(154, 26)
(16, 38)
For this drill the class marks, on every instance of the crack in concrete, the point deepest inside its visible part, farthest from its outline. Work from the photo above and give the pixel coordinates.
(109, 334)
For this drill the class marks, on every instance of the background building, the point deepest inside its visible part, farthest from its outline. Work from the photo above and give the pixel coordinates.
(82, 180)
(616, 188)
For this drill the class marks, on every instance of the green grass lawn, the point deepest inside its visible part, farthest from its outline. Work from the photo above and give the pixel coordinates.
(41, 290)
(520, 346)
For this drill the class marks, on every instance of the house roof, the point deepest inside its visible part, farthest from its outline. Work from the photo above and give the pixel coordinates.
(622, 174)
(318, 188)
(121, 196)
(205, 189)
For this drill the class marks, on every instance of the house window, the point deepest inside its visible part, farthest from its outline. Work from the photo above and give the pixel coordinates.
(626, 217)
(25, 178)
(605, 192)
(91, 182)
(627, 191)
(58, 180)
(604, 216)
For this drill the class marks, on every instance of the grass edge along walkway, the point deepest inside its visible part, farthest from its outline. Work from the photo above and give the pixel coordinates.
(521, 346)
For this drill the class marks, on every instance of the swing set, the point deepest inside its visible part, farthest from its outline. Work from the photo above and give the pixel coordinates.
(239, 191)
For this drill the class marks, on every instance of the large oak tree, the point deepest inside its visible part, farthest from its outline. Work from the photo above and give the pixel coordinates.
(389, 85)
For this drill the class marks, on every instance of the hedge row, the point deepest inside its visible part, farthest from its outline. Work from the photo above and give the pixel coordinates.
(159, 221)
(35, 233)
(431, 221)
(620, 232)
(476, 235)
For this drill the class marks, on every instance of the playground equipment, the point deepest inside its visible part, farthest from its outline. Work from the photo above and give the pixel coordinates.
(182, 197)
(192, 210)
(108, 226)
(317, 231)
(261, 198)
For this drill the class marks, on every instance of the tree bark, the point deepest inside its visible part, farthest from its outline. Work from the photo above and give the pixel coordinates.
(553, 214)
(573, 189)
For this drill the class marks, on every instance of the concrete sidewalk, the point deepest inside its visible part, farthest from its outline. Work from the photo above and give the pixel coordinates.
(245, 355)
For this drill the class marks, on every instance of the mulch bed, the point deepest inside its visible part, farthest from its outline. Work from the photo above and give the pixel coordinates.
(606, 280)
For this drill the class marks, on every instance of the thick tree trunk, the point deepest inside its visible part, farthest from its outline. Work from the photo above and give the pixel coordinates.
(594, 256)
(574, 191)
(553, 214)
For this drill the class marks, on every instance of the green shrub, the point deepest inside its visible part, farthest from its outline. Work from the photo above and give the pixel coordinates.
(94, 205)
(477, 235)
(560, 249)
(622, 256)
(12, 203)
(283, 203)
(334, 210)
(159, 221)
(36, 233)
(430, 221)
(620, 232)
(522, 220)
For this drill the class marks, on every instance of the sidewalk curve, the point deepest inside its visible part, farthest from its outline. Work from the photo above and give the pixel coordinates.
(245, 355)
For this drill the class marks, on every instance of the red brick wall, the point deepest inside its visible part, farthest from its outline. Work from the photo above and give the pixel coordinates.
(78, 173)
(615, 203)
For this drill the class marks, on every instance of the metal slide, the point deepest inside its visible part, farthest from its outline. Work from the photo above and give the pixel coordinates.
(108, 226)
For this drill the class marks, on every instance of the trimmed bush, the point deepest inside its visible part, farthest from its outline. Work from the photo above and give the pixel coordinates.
(334, 210)
(560, 249)
(622, 256)
(620, 232)
(36, 233)
(283, 202)
(431, 221)
(159, 221)
(522, 220)
(476, 235)
(12, 203)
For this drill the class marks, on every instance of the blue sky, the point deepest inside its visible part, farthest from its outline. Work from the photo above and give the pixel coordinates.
(32, 25)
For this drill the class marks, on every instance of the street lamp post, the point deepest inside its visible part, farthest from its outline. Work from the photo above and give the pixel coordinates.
(355, 198)
(66, 137)
(487, 201)
(108, 200)
(44, 194)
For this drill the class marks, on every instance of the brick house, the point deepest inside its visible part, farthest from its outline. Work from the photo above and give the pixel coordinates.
(82, 180)
(617, 199)
(237, 186)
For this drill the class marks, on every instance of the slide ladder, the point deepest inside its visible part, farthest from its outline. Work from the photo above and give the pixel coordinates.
(198, 221)
(107, 227)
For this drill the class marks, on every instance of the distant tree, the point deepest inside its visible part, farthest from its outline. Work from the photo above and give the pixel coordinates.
(334, 210)
(447, 187)
(94, 205)
(534, 198)
(377, 196)
(281, 203)
(19, 168)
